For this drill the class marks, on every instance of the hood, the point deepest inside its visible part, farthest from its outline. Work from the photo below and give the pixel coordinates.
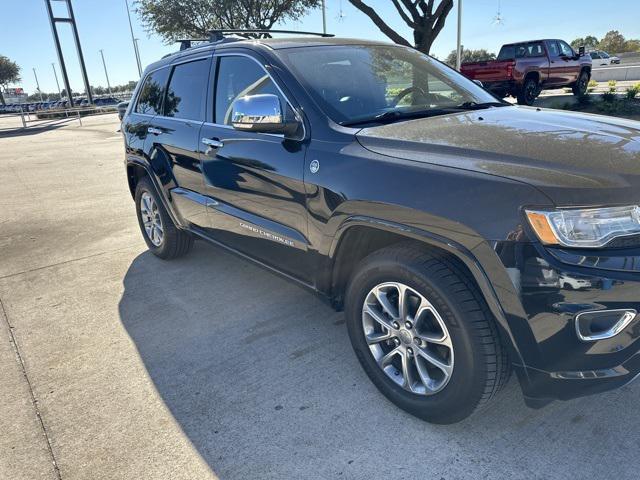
(575, 159)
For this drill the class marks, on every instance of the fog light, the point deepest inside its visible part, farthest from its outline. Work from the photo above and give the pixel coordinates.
(602, 324)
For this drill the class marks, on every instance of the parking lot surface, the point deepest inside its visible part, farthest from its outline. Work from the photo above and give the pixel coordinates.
(117, 365)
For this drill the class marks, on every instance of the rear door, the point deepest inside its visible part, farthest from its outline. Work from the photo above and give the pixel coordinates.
(175, 135)
(254, 180)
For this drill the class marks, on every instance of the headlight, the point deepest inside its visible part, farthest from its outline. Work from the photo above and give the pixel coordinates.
(585, 228)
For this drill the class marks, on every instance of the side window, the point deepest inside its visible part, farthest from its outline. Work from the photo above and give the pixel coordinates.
(237, 77)
(565, 49)
(187, 90)
(535, 50)
(150, 97)
(553, 49)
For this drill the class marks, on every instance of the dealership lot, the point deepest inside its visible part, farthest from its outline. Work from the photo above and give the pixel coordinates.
(116, 364)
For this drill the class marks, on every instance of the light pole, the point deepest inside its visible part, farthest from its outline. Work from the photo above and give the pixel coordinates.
(459, 49)
(324, 17)
(53, 65)
(133, 40)
(105, 72)
(38, 85)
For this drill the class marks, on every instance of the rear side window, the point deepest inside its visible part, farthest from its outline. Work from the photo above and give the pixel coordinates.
(187, 91)
(150, 97)
(237, 77)
(535, 50)
(508, 52)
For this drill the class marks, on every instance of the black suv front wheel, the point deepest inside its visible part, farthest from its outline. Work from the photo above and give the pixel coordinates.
(424, 335)
(163, 238)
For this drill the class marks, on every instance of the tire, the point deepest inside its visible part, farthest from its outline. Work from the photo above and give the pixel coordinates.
(173, 242)
(581, 85)
(529, 92)
(479, 362)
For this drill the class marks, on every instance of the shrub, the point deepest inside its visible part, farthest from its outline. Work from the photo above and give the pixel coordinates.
(609, 96)
(632, 92)
(584, 99)
(612, 86)
(592, 86)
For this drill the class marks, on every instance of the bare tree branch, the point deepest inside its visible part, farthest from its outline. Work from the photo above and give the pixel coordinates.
(419, 15)
(375, 18)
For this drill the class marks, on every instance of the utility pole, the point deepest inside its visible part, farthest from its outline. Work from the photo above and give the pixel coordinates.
(459, 50)
(324, 17)
(53, 65)
(133, 40)
(105, 71)
(38, 85)
(137, 40)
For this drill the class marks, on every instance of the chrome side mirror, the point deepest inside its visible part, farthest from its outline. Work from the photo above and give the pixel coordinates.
(261, 113)
(479, 83)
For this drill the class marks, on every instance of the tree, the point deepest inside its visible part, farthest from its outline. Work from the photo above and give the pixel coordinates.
(588, 42)
(469, 56)
(175, 19)
(613, 42)
(632, 46)
(419, 15)
(9, 73)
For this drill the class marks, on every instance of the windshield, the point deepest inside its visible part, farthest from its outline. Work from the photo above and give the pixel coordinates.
(358, 83)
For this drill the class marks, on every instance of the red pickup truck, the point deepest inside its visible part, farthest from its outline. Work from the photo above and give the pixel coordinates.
(524, 69)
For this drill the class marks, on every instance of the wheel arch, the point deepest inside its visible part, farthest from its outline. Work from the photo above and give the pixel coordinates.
(137, 169)
(358, 236)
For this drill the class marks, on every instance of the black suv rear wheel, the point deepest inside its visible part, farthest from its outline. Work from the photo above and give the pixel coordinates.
(424, 335)
(163, 238)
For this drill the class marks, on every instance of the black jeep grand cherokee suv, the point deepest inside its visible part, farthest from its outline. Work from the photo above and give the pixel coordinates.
(462, 236)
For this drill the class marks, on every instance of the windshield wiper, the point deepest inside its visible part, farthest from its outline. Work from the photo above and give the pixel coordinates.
(480, 106)
(394, 115)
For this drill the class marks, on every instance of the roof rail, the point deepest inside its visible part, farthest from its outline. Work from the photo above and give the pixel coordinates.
(218, 34)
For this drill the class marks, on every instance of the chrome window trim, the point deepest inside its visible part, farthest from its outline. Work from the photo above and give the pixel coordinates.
(222, 125)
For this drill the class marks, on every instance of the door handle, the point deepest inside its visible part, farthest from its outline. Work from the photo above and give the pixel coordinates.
(213, 142)
(154, 131)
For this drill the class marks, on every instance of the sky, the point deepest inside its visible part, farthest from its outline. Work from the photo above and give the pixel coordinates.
(103, 24)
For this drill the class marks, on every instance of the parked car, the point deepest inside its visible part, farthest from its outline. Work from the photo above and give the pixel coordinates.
(406, 195)
(602, 59)
(574, 283)
(524, 69)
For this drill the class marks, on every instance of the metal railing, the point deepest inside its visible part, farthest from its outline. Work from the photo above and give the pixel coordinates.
(42, 119)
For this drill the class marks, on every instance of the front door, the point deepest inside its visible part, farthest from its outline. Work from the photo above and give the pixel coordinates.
(175, 136)
(254, 180)
(570, 64)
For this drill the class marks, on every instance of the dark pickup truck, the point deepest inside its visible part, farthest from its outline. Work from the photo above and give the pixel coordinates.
(463, 237)
(524, 69)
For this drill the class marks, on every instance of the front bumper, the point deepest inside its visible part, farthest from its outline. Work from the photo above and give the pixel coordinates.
(557, 364)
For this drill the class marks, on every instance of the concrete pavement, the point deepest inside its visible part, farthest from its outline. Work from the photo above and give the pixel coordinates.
(209, 367)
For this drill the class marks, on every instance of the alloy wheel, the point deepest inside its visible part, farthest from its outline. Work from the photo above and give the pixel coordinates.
(151, 219)
(408, 338)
